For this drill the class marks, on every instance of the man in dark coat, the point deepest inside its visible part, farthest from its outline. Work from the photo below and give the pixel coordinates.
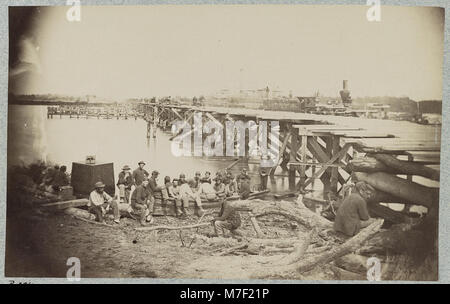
(140, 174)
(157, 191)
(228, 219)
(142, 202)
(124, 183)
(244, 190)
(352, 214)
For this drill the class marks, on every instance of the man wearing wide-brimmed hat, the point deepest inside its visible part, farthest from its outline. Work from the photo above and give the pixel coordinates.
(124, 183)
(140, 174)
(100, 203)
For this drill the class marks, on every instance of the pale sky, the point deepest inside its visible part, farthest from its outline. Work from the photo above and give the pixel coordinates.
(144, 51)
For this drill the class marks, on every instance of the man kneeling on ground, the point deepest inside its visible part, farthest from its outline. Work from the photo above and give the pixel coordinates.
(228, 219)
(101, 202)
(142, 202)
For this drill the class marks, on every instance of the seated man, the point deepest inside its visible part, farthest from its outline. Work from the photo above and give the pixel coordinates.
(244, 190)
(219, 187)
(241, 177)
(173, 191)
(182, 179)
(101, 202)
(228, 219)
(206, 178)
(157, 191)
(207, 191)
(229, 191)
(187, 194)
(197, 180)
(142, 202)
(60, 179)
(47, 180)
(352, 214)
(233, 183)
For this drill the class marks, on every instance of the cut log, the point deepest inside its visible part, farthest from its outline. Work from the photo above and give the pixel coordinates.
(396, 217)
(310, 263)
(343, 274)
(285, 195)
(390, 164)
(79, 213)
(352, 262)
(368, 164)
(404, 189)
(407, 167)
(66, 204)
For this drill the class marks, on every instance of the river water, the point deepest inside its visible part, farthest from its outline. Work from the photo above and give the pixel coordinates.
(32, 137)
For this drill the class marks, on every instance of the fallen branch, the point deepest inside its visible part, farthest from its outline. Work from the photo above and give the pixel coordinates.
(300, 249)
(349, 246)
(171, 227)
(233, 249)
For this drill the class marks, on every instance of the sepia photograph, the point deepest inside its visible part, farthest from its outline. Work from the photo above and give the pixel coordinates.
(274, 142)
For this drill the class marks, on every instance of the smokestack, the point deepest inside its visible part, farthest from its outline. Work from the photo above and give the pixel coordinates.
(345, 85)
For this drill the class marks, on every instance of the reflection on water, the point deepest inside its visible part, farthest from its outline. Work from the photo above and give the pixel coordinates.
(33, 137)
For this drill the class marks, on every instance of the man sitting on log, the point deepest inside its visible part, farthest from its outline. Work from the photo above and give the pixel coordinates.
(207, 191)
(142, 202)
(197, 180)
(219, 187)
(244, 190)
(228, 219)
(352, 214)
(187, 194)
(101, 202)
(157, 191)
(233, 187)
(206, 178)
(60, 179)
(243, 176)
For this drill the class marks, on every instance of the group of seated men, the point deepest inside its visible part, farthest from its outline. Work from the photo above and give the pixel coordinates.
(180, 191)
(54, 178)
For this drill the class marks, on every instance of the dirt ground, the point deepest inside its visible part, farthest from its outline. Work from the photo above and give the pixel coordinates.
(39, 246)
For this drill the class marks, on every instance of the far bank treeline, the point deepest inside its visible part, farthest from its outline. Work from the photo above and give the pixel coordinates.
(403, 104)
(397, 104)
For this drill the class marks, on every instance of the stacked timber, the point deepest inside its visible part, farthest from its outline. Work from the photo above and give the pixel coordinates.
(411, 243)
(381, 170)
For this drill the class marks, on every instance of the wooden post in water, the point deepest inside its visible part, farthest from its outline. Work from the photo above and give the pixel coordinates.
(303, 160)
(294, 148)
(155, 120)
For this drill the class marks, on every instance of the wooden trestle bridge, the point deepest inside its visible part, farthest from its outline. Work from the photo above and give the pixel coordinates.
(311, 147)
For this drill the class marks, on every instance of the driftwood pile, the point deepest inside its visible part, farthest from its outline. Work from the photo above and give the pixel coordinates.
(317, 245)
